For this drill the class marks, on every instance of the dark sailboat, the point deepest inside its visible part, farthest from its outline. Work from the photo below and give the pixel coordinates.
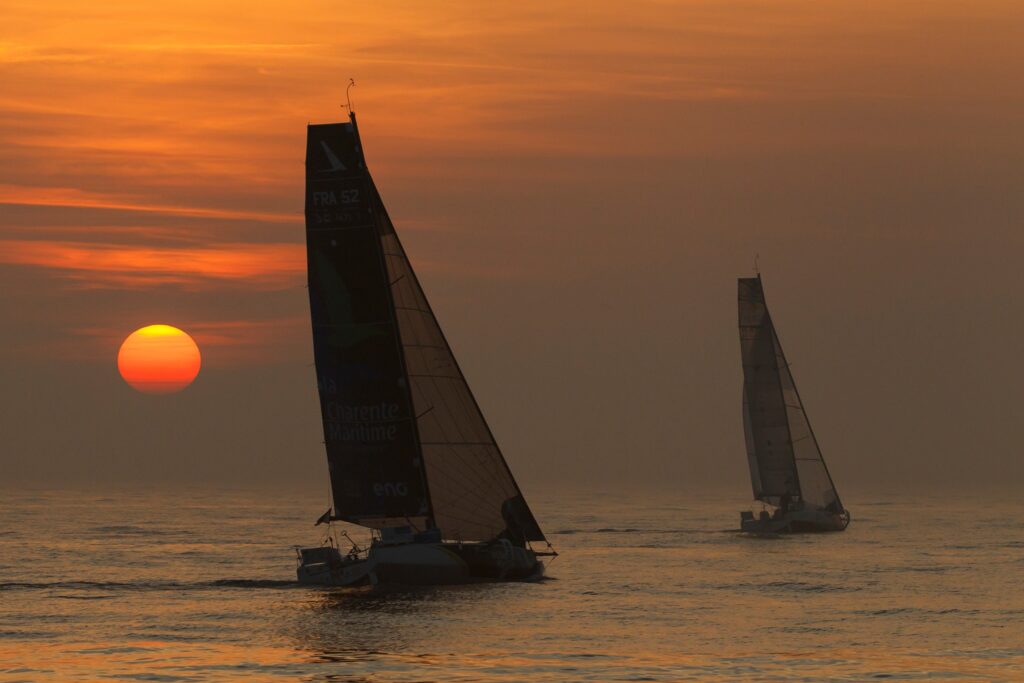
(787, 470)
(409, 452)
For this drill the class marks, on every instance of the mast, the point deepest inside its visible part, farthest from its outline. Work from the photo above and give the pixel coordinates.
(769, 446)
(779, 354)
(374, 455)
(376, 205)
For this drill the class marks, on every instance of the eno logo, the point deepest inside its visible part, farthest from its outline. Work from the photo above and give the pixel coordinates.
(391, 489)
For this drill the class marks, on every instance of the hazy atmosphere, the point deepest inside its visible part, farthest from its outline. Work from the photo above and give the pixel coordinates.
(578, 187)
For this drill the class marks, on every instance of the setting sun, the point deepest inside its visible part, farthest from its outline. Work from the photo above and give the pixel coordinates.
(159, 359)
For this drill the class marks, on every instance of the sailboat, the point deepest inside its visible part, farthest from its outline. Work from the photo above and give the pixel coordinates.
(787, 470)
(409, 453)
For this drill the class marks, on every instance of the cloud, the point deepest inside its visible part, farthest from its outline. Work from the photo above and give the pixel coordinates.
(252, 342)
(98, 265)
(75, 198)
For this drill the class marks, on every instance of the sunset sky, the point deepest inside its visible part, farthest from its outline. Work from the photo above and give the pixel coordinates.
(577, 183)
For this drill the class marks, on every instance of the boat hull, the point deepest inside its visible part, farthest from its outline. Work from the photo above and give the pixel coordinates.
(794, 522)
(499, 561)
(425, 564)
(325, 566)
(417, 564)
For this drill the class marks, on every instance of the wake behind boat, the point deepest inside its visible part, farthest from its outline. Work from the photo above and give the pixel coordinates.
(409, 452)
(787, 470)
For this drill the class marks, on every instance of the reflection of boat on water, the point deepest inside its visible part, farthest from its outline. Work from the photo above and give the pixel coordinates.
(373, 632)
(787, 469)
(410, 454)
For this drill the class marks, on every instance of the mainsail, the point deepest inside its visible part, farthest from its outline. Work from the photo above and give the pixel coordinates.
(406, 441)
(783, 454)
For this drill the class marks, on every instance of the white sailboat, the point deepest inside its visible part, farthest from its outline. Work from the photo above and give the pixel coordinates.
(787, 470)
(409, 452)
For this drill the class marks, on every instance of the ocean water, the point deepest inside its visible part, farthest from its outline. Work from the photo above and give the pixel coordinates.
(199, 586)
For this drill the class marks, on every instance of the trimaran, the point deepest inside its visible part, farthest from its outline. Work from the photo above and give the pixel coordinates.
(409, 452)
(787, 469)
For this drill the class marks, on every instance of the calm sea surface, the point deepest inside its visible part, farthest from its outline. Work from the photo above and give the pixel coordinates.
(200, 587)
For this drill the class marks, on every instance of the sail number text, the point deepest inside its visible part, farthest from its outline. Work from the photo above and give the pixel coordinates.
(335, 207)
(331, 198)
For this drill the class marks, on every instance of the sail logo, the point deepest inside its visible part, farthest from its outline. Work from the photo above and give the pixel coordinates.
(361, 423)
(391, 489)
(332, 159)
(365, 433)
(376, 412)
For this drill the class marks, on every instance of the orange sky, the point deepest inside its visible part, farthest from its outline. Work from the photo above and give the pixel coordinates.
(578, 183)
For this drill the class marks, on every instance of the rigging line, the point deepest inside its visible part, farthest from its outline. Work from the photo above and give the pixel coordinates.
(554, 555)
(479, 464)
(810, 429)
(473, 482)
(407, 393)
(466, 482)
(471, 399)
(466, 529)
(478, 512)
(440, 394)
(469, 531)
(477, 501)
(472, 461)
(469, 410)
(427, 346)
(348, 325)
(463, 488)
(489, 516)
(432, 376)
(482, 506)
(330, 504)
(476, 506)
(472, 478)
(470, 517)
(339, 228)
